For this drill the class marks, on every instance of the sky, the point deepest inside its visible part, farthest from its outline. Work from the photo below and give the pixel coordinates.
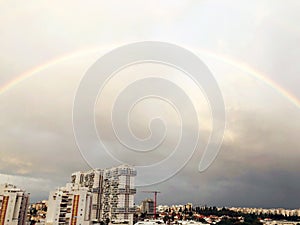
(251, 48)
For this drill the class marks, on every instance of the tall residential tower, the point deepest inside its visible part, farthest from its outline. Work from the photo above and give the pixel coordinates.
(13, 205)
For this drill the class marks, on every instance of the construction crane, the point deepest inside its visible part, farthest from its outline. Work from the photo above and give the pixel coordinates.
(155, 200)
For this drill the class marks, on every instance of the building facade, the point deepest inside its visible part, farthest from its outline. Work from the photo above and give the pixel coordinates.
(93, 181)
(105, 195)
(13, 205)
(118, 194)
(69, 205)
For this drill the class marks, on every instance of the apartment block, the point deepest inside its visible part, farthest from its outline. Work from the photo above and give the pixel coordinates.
(69, 205)
(13, 205)
(118, 194)
(93, 181)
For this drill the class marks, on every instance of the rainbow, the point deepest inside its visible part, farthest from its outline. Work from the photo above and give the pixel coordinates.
(34, 71)
(224, 58)
(256, 74)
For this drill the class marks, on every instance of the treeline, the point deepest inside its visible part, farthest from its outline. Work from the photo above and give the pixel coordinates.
(231, 217)
(206, 211)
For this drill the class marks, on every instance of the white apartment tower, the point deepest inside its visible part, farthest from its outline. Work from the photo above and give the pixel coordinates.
(93, 181)
(13, 205)
(106, 195)
(69, 205)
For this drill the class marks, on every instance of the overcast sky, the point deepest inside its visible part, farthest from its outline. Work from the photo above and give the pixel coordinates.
(251, 47)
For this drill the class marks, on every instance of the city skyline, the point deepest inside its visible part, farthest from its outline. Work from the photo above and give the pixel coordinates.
(251, 49)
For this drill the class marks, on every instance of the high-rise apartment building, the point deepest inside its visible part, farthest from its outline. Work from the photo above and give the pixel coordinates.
(69, 205)
(13, 205)
(93, 181)
(108, 196)
(118, 194)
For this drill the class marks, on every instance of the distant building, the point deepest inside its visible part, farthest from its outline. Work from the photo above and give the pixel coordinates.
(13, 205)
(188, 207)
(37, 211)
(147, 206)
(94, 196)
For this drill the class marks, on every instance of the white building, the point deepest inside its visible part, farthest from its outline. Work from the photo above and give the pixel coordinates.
(93, 181)
(13, 205)
(69, 205)
(104, 194)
